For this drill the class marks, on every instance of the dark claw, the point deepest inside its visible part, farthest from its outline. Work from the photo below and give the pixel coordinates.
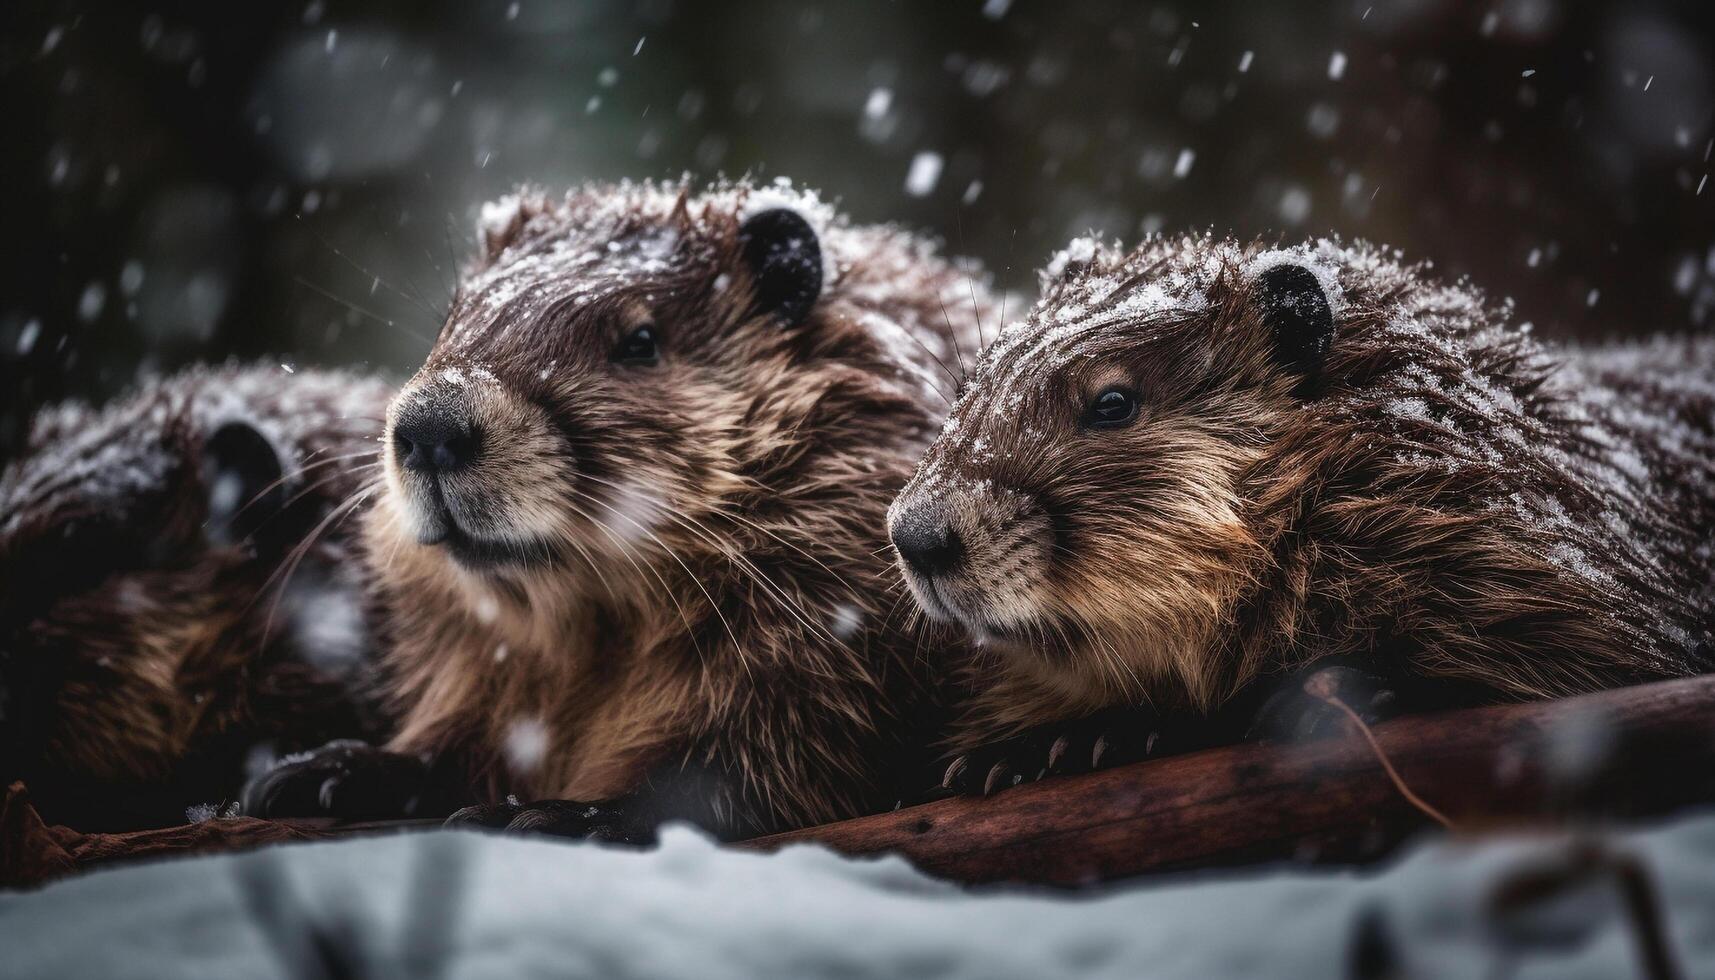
(534, 821)
(1055, 752)
(348, 779)
(1107, 738)
(612, 822)
(955, 769)
(493, 815)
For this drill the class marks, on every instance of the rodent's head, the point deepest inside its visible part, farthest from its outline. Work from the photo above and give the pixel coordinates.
(1082, 508)
(583, 401)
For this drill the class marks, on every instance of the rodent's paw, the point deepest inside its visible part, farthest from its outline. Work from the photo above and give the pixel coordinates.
(349, 779)
(1105, 739)
(1294, 713)
(613, 821)
(492, 815)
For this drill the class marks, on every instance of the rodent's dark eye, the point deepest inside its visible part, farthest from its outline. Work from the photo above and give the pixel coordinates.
(638, 348)
(1111, 409)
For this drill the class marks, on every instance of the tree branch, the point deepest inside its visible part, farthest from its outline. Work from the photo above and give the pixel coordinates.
(1627, 752)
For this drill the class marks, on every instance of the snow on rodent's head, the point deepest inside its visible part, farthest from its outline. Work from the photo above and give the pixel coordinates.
(781, 195)
(1307, 256)
(555, 255)
(600, 213)
(1195, 306)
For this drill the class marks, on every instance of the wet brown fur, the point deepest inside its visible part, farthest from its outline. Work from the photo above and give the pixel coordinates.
(1445, 495)
(144, 656)
(754, 630)
(703, 582)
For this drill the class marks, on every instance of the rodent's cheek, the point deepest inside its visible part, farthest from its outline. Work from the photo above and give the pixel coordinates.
(1152, 579)
(410, 506)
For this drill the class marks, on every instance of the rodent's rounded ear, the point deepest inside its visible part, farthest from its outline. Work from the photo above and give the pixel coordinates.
(1300, 319)
(785, 260)
(242, 477)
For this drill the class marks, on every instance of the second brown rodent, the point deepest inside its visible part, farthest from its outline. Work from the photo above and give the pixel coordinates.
(1202, 465)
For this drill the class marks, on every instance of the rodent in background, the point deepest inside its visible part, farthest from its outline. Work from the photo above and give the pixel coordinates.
(180, 590)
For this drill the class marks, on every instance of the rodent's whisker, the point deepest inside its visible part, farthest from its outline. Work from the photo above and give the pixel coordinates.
(976, 310)
(738, 648)
(300, 471)
(368, 314)
(315, 486)
(425, 307)
(953, 338)
(733, 515)
(302, 549)
(630, 555)
(744, 564)
(1006, 271)
(941, 363)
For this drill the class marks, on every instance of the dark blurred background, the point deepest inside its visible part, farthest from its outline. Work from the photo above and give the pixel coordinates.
(299, 181)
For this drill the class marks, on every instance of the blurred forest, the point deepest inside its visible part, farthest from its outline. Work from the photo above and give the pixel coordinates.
(299, 181)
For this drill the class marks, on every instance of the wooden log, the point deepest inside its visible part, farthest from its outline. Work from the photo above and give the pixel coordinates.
(33, 853)
(1627, 752)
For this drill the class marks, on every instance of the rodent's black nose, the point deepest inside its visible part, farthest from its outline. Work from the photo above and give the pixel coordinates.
(434, 441)
(928, 542)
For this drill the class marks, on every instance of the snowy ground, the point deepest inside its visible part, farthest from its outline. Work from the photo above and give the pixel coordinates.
(543, 908)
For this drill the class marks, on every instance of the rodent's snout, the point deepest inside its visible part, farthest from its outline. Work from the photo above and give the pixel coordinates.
(926, 539)
(435, 436)
(971, 554)
(474, 468)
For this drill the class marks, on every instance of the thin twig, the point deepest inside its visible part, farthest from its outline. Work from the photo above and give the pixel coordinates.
(1321, 688)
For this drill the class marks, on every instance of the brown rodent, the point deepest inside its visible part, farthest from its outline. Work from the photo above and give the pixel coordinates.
(1204, 463)
(631, 543)
(177, 591)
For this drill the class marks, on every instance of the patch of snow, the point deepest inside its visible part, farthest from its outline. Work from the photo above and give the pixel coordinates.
(526, 745)
(498, 219)
(924, 174)
(32, 329)
(328, 626)
(1302, 255)
(91, 302)
(1182, 165)
(879, 101)
(689, 908)
(847, 619)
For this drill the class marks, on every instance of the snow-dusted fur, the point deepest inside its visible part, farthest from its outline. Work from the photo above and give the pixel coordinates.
(1446, 495)
(143, 647)
(702, 585)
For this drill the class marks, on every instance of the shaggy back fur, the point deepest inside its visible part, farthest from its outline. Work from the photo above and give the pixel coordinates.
(175, 586)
